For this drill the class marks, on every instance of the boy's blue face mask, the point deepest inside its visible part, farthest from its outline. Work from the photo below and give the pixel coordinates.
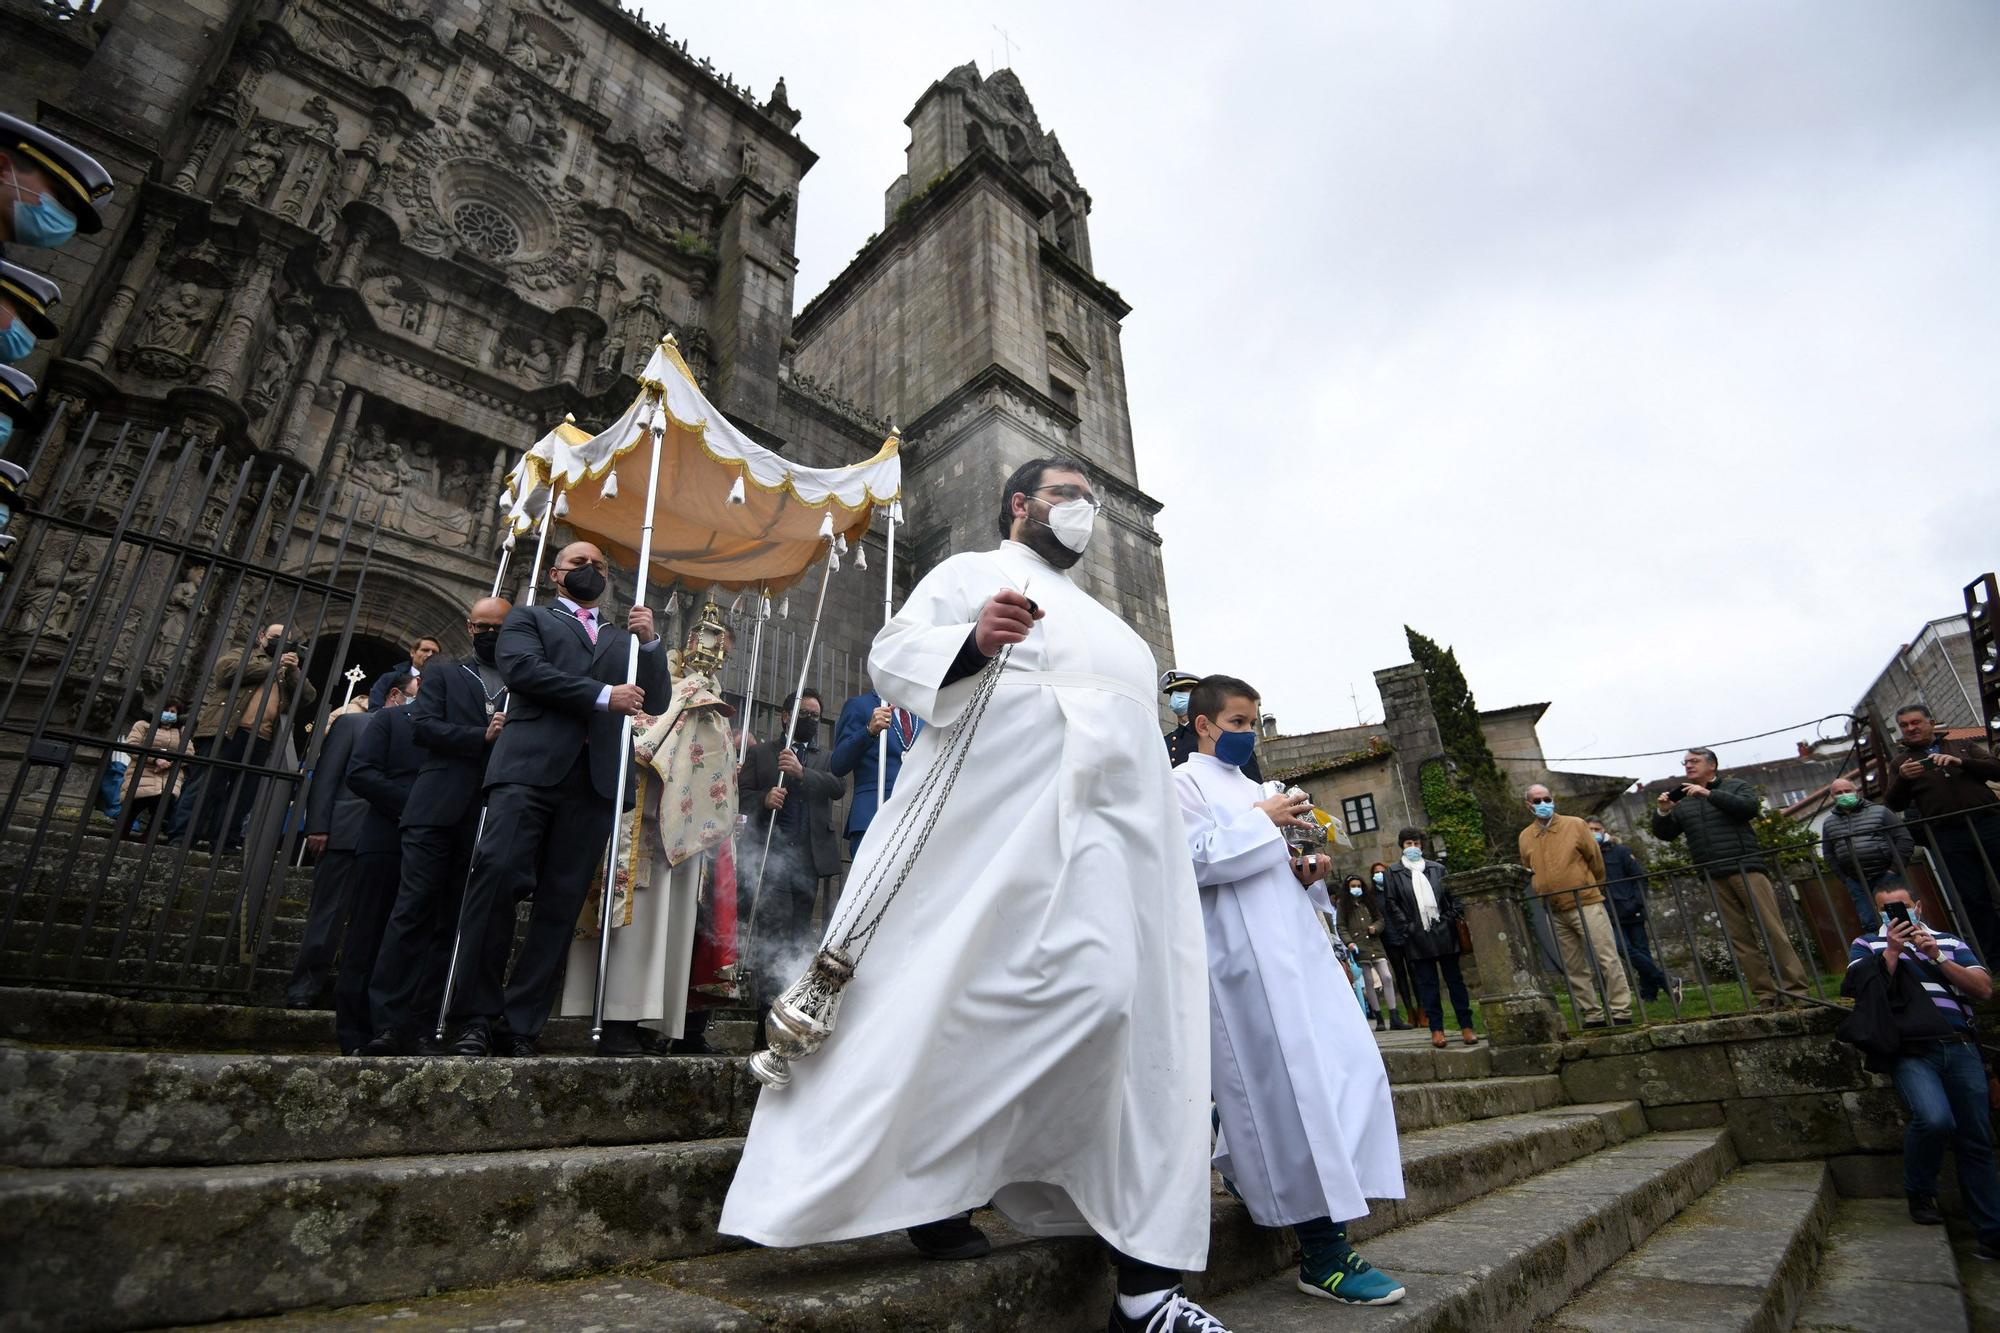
(6, 429)
(1236, 747)
(45, 222)
(16, 342)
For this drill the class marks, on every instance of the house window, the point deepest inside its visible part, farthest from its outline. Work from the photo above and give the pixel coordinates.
(1064, 395)
(1791, 798)
(1358, 813)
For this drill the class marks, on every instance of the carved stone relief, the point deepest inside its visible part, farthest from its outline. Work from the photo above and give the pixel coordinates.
(636, 329)
(530, 359)
(517, 215)
(274, 370)
(257, 165)
(397, 302)
(429, 490)
(171, 330)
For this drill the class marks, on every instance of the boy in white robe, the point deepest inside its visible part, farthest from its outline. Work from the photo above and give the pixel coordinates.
(1308, 1131)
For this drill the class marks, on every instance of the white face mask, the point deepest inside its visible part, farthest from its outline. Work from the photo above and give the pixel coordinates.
(1072, 522)
(1413, 853)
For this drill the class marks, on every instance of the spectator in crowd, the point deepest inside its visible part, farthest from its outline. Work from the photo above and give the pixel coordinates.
(1625, 885)
(457, 717)
(1393, 942)
(272, 679)
(857, 751)
(1361, 926)
(803, 849)
(153, 782)
(381, 772)
(1938, 1072)
(1945, 781)
(1715, 814)
(421, 653)
(1178, 686)
(551, 793)
(334, 815)
(1866, 844)
(1421, 909)
(1568, 872)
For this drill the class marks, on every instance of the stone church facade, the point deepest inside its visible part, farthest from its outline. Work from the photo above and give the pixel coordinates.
(383, 246)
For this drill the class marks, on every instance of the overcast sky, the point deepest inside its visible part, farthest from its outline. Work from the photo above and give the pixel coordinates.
(1645, 352)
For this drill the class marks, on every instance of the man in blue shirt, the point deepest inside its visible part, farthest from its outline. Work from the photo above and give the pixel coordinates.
(1942, 1080)
(857, 750)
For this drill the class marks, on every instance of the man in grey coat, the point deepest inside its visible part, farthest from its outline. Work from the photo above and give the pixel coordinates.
(1867, 845)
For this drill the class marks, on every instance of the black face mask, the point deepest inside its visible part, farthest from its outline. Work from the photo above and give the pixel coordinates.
(807, 729)
(485, 643)
(270, 647)
(584, 583)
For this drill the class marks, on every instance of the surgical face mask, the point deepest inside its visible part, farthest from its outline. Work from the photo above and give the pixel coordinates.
(1544, 809)
(486, 643)
(6, 429)
(1847, 800)
(1354, 889)
(1178, 701)
(1600, 835)
(1378, 877)
(15, 341)
(1072, 522)
(1235, 747)
(583, 584)
(1413, 854)
(169, 717)
(45, 223)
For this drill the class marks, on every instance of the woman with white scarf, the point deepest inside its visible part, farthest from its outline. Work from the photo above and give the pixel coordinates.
(1423, 911)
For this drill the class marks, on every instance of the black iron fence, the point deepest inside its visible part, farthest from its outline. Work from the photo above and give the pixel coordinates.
(1758, 932)
(131, 661)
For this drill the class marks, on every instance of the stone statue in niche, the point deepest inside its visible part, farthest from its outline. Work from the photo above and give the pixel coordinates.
(171, 329)
(517, 124)
(397, 301)
(532, 359)
(437, 507)
(174, 622)
(636, 330)
(287, 342)
(378, 463)
(533, 51)
(257, 166)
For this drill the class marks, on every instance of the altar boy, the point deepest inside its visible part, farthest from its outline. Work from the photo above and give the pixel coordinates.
(1298, 1081)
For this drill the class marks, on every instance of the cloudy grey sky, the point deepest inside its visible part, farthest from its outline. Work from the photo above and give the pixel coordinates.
(1645, 352)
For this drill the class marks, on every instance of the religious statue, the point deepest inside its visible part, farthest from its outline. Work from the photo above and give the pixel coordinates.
(174, 623)
(287, 341)
(258, 166)
(173, 323)
(534, 362)
(378, 462)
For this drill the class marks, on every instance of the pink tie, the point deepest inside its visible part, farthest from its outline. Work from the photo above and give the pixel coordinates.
(589, 619)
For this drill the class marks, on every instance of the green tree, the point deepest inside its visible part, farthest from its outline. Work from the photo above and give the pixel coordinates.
(1470, 763)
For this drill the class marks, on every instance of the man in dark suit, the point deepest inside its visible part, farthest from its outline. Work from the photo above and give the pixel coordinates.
(334, 816)
(857, 750)
(551, 790)
(457, 716)
(421, 653)
(803, 848)
(382, 771)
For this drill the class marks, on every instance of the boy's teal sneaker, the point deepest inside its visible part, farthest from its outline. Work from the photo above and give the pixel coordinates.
(1345, 1276)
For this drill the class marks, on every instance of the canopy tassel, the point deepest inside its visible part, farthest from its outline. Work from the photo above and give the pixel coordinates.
(861, 556)
(610, 491)
(737, 495)
(785, 608)
(562, 504)
(896, 512)
(826, 527)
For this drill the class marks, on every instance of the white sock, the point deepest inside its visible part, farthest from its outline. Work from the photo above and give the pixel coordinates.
(1135, 1307)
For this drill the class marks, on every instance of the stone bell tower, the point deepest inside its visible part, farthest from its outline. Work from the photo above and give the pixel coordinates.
(975, 319)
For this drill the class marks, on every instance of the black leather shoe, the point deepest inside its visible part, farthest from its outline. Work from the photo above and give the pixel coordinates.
(388, 1043)
(619, 1039)
(474, 1040)
(428, 1044)
(523, 1048)
(1924, 1209)
(951, 1238)
(693, 1046)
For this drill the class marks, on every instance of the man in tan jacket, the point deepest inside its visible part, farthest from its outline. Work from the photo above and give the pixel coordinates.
(1569, 879)
(244, 730)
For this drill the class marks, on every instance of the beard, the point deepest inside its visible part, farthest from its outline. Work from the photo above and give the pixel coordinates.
(1038, 538)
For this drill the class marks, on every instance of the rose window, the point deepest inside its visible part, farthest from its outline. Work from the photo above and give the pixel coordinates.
(486, 229)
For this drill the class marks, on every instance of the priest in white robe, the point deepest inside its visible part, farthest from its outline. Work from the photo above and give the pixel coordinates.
(1308, 1130)
(1027, 1024)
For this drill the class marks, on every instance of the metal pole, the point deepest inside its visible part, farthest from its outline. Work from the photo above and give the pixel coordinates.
(506, 551)
(625, 731)
(458, 936)
(761, 612)
(888, 610)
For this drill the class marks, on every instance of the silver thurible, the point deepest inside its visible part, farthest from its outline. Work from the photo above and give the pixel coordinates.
(801, 1019)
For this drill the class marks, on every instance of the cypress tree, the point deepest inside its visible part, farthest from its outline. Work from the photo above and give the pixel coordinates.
(1474, 769)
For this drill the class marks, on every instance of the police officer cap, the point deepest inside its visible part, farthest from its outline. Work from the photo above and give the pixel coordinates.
(31, 295)
(16, 391)
(1171, 680)
(79, 180)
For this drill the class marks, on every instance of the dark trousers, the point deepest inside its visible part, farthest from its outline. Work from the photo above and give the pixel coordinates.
(781, 934)
(541, 843)
(1861, 883)
(1427, 971)
(230, 794)
(1960, 842)
(194, 779)
(145, 809)
(1406, 986)
(416, 947)
(1944, 1085)
(375, 878)
(326, 920)
(1637, 947)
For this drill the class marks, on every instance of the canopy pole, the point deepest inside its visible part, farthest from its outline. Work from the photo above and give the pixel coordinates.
(659, 430)
(542, 537)
(500, 574)
(479, 833)
(760, 612)
(888, 610)
(791, 730)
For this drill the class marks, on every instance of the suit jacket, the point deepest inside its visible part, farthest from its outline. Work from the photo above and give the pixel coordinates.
(856, 752)
(449, 716)
(378, 692)
(382, 771)
(332, 807)
(820, 789)
(554, 674)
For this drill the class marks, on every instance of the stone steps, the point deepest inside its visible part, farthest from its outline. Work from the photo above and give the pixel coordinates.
(1881, 1273)
(881, 1283)
(1514, 1256)
(1738, 1260)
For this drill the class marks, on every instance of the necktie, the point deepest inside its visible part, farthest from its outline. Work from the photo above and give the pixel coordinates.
(589, 619)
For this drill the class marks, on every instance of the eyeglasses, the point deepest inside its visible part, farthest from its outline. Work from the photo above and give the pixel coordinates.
(1068, 491)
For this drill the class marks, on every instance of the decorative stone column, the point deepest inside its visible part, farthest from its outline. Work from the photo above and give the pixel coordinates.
(225, 374)
(97, 352)
(1519, 1010)
(291, 439)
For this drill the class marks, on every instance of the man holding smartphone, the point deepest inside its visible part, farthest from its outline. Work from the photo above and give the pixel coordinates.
(1946, 781)
(1942, 1079)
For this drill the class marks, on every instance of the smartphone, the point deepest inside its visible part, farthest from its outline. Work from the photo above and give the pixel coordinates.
(1898, 912)
(1676, 793)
